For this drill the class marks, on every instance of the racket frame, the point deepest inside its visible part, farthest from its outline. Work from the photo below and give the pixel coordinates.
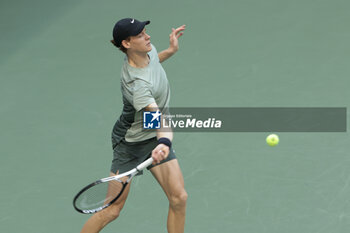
(118, 177)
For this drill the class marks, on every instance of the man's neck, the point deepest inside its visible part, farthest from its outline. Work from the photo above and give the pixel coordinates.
(138, 60)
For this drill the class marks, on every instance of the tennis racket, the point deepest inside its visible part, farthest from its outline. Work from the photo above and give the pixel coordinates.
(104, 192)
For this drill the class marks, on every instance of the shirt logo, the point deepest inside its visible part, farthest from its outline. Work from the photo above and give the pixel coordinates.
(132, 21)
(151, 120)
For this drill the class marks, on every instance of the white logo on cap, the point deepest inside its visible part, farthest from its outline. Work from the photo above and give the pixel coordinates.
(132, 21)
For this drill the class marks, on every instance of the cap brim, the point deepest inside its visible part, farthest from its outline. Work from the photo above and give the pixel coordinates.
(139, 29)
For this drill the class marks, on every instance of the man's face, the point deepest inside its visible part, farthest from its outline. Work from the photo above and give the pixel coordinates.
(140, 42)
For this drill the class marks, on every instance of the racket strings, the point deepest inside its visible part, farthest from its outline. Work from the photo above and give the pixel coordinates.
(99, 195)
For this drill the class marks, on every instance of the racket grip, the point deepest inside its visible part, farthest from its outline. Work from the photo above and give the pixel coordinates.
(146, 163)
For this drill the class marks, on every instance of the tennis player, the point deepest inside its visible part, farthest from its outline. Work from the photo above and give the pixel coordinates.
(144, 86)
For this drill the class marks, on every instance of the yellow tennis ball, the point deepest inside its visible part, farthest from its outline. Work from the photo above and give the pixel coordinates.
(272, 140)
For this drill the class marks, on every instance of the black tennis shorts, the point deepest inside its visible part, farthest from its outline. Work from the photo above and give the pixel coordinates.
(127, 155)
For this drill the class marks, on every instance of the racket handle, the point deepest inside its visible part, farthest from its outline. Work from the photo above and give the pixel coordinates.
(144, 164)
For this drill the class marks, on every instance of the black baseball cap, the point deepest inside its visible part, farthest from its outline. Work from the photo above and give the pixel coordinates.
(127, 27)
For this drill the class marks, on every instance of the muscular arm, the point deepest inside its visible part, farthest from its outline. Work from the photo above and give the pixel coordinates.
(161, 151)
(162, 132)
(165, 54)
(174, 44)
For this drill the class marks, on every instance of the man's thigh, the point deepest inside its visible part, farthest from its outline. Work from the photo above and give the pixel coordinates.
(170, 177)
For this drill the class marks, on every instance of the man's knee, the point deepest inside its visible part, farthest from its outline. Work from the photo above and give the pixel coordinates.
(114, 214)
(109, 214)
(179, 200)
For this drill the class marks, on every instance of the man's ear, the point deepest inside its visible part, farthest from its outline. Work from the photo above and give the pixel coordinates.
(126, 44)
